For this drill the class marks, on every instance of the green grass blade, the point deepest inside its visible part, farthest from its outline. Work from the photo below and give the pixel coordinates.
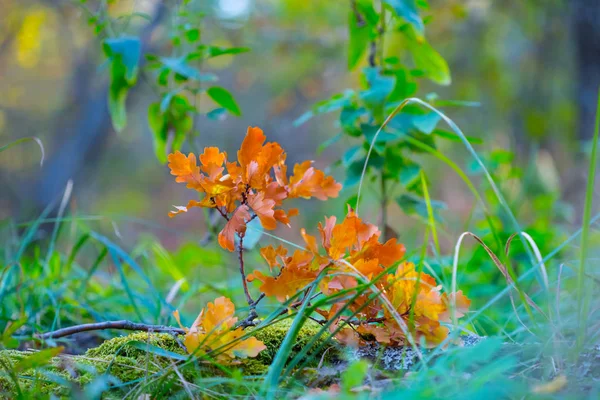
(23, 140)
(271, 381)
(583, 293)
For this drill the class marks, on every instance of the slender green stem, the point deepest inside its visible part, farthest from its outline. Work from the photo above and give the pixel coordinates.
(383, 205)
(583, 300)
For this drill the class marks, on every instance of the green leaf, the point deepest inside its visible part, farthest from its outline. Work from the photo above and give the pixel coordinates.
(328, 142)
(426, 123)
(124, 54)
(126, 50)
(6, 339)
(193, 35)
(369, 131)
(404, 87)
(409, 174)
(218, 114)
(455, 138)
(354, 375)
(359, 37)
(37, 359)
(406, 122)
(429, 61)
(353, 173)
(413, 205)
(380, 86)
(334, 103)
(223, 98)
(214, 51)
(350, 155)
(158, 126)
(117, 96)
(348, 118)
(180, 66)
(407, 9)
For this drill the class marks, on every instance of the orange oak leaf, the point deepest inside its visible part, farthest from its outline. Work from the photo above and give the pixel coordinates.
(251, 147)
(270, 255)
(236, 224)
(287, 284)
(212, 156)
(214, 332)
(186, 170)
(462, 305)
(308, 182)
(295, 274)
(281, 216)
(182, 209)
(264, 209)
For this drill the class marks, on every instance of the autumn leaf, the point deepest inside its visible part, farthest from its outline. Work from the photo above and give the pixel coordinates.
(264, 209)
(308, 182)
(182, 209)
(270, 255)
(287, 284)
(251, 146)
(212, 156)
(186, 170)
(214, 331)
(294, 276)
(236, 224)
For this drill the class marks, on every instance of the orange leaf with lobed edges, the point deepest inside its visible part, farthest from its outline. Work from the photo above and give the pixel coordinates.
(257, 181)
(308, 182)
(270, 255)
(264, 209)
(182, 209)
(236, 224)
(294, 276)
(186, 170)
(214, 330)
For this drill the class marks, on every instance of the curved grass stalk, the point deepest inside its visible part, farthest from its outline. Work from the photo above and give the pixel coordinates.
(27, 139)
(466, 143)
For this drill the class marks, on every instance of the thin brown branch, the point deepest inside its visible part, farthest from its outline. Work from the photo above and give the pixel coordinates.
(243, 272)
(372, 53)
(97, 326)
(223, 213)
(360, 21)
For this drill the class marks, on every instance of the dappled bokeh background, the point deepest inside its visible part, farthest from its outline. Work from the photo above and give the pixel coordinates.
(533, 67)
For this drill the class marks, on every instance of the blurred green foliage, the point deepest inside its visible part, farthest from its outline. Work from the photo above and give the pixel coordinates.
(110, 253)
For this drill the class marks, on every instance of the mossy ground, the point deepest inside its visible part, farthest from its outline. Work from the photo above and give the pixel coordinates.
(123, 359)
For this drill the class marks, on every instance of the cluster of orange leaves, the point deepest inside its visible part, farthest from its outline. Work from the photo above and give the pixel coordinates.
(214, 332)
(395, 304)
(349, 254)
(253, 186)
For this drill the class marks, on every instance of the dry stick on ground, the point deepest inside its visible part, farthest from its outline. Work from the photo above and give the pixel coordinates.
(97, 326)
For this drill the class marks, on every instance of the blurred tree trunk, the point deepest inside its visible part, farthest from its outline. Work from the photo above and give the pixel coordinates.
(585, 16)
(85, 124)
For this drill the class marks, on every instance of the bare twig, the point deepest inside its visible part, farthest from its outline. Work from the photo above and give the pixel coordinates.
(122, 324)
(372, 53)
(360, 21)
(243, 272)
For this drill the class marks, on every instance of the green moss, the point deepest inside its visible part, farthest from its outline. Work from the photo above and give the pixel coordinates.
(121, 359)
(122, 345)
(273, 335)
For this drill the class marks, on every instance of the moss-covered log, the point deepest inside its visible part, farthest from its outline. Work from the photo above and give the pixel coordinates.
(131, 368)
